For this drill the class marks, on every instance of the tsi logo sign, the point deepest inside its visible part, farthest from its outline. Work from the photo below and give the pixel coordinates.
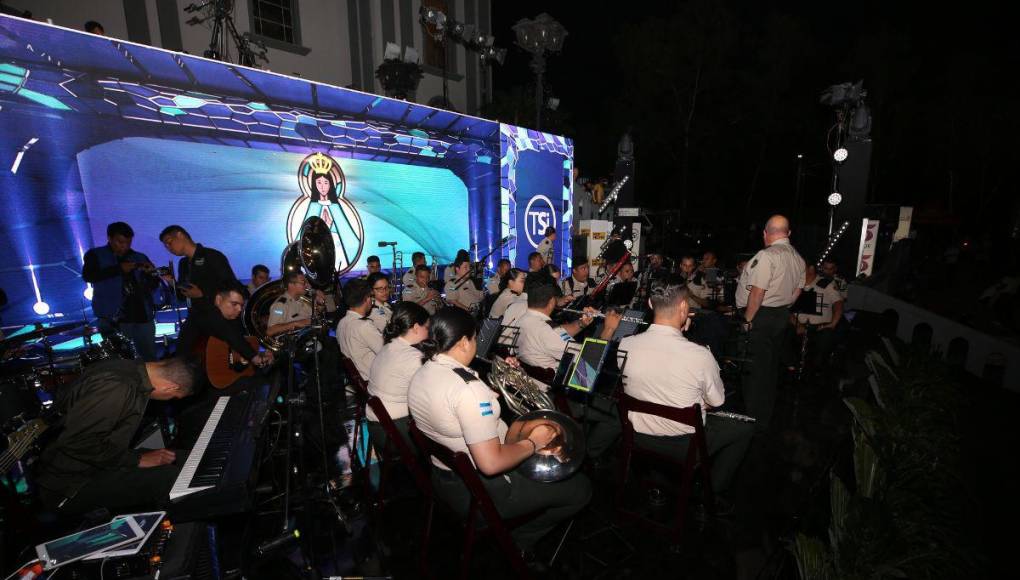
(537, 217)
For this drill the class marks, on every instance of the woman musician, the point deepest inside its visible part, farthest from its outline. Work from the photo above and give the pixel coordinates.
(381, 311)
(393, 367)
(452, 406)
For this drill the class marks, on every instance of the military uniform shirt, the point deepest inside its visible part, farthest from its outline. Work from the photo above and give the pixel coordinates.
(287, 309)
(777, 269)
(664, 367)
(545, 248)
(505, 299)
(572, 287)
(512, 315)
(829, 296)
(390, 377)
(452, 406)
(380, 314)
(540, 344)
(492, 286)
(408, 278)
(359, 340)
(465, 293)
(696, 285)
(415, 294)
(842, 286)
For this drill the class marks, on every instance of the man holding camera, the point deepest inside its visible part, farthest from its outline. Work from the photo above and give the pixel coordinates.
(122, 284)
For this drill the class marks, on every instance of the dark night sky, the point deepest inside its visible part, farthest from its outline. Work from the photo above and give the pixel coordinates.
(941, 85)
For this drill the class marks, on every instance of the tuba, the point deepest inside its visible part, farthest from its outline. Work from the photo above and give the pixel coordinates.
(535, 408)
(313, 254)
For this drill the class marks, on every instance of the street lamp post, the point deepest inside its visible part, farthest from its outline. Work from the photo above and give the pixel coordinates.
(539, 36)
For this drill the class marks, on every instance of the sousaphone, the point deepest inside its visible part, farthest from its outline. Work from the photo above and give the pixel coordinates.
(314, 255)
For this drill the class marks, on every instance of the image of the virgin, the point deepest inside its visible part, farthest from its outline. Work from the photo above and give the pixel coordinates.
(325, 204)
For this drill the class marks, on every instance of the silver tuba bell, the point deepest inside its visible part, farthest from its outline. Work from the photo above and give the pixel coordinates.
(534, 407)
(313, 254)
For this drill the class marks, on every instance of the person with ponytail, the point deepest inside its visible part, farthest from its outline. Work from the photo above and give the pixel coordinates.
(511, 289)
(393, 368)
(453, 407)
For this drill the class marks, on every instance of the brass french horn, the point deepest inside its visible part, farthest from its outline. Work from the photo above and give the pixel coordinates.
(314, 255)
(534, 407)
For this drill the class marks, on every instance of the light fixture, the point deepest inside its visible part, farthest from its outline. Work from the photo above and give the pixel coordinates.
(391, 52)
(840, 155)
(552, 103)
(800, 156)
(835, 198)
(410, 54)
(41, 308)
(88, 293)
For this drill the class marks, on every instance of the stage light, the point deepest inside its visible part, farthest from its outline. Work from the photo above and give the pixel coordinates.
(552, 103)
(410, 55)
(840, 155)
(88, 293)
(835, 198)
(800, 156)
(21, 154)
(41, 308)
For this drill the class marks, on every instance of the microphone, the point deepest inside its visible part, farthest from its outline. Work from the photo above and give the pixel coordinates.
(384, 244)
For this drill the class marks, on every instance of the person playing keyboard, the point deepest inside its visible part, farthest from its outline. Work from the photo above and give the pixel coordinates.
(91, 463)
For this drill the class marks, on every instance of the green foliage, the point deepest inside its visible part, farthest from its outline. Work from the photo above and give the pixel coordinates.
(905, 516)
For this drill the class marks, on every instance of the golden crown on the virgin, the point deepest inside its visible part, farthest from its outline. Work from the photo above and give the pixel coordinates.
(320, 163)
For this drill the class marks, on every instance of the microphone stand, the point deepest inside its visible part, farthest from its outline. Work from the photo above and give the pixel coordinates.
(471, 272)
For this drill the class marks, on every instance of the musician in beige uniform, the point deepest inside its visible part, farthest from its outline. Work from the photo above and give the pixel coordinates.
(578, 284)
(392, 369)
(461, 291)
(453, 407)
(492, 286)
(547, 246)
(770, 282)
(356, 334)
(417, 259)
(290, 312)
(420, 293)
(542, 344)
(665, 368)
(380, 312)
(511, 290)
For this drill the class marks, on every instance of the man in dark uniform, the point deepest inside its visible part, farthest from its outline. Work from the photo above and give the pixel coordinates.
(770, 282)
(201, 271)
(91, 463)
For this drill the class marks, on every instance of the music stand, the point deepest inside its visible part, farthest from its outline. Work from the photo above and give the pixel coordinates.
(488, 335)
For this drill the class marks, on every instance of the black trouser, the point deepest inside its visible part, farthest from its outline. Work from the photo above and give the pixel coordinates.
(120, 490)
(378, 436)
(766, 344)
(602, 426)
(727, 441)
(517, 497)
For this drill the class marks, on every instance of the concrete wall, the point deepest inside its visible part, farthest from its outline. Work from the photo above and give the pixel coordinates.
(345, 38)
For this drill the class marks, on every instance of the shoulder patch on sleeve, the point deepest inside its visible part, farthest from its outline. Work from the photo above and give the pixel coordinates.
(465, 374)
(754, 263)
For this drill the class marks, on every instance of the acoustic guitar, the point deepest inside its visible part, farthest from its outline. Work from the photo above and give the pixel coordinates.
(223, 365)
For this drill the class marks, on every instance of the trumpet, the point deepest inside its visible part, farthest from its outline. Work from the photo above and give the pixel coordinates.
(602, 315)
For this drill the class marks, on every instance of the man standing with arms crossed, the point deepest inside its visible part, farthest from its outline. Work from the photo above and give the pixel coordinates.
(770, 282)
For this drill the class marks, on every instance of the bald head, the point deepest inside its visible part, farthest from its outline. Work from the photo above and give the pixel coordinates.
(776, 228)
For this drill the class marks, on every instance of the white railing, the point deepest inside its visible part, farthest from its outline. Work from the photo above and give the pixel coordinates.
(981, 348)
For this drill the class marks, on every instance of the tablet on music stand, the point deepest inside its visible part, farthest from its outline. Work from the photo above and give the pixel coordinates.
(589, 363)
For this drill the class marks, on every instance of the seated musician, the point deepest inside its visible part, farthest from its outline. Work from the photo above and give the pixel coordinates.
(492, 286)
(664, 367)
(290, 312)
(392, 369)
(577, 284)
(357, 335)
(830, 270)
(542, 343)
(511, 290)
(449, 273)
(417, 259)
(823, 326)
(452, 406)
(535, 262)
(372, 266)
(622, 291)
(698, 290)
(381, 311)
(91, 464)
(419, 291)
(461, 290)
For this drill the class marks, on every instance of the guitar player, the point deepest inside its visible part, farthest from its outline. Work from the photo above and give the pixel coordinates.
(221, 320)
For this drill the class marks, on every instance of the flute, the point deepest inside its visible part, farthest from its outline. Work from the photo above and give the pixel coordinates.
(602, 315)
